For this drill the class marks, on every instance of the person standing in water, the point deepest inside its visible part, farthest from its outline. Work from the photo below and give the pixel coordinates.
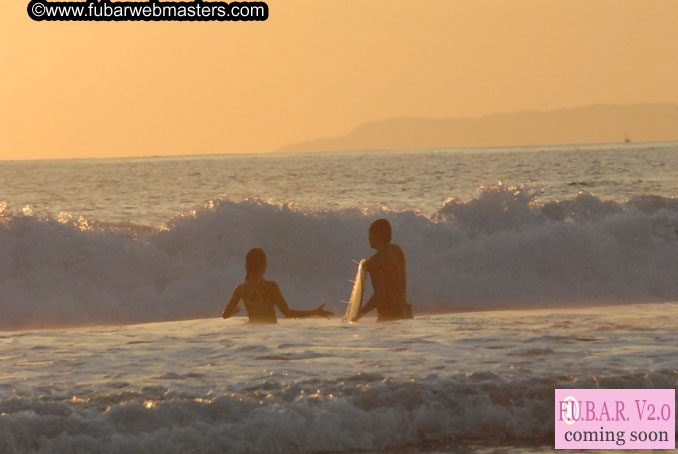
(262, 296)
(387, 272)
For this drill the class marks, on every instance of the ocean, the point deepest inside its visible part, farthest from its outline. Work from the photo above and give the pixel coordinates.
(529, 269)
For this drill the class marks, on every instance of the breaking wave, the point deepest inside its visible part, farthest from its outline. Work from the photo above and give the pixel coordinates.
(500, 249)
(365, 412)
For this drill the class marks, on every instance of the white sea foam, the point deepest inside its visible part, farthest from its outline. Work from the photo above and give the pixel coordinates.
(500, 249)
(358, 414)
(435, 382)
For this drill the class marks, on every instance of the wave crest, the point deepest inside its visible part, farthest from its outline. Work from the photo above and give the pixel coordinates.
(500, 249)
(359, 413)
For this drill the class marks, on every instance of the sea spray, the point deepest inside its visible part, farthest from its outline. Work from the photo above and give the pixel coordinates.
(500, 249)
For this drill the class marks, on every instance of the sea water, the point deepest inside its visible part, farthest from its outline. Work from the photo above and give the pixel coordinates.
(113, 274)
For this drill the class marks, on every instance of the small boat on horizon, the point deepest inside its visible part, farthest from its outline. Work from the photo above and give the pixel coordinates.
(626, 138)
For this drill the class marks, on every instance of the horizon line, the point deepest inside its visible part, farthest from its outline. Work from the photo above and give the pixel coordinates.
(367, 150)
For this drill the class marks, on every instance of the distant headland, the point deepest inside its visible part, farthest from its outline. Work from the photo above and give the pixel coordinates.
(589, 124)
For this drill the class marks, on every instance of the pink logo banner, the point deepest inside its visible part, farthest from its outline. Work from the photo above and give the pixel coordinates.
(615, 419)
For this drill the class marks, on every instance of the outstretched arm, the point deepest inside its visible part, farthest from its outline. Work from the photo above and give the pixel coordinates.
(294, 313)
(232, 306)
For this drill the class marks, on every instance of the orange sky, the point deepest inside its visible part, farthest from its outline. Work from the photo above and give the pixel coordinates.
(318, 68)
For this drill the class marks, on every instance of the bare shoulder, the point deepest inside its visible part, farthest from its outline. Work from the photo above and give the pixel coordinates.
(271, 286)
(272, 291)
(370, 262)
(398, 250)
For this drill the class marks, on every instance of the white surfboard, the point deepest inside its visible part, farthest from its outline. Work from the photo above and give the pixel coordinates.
(357, 293)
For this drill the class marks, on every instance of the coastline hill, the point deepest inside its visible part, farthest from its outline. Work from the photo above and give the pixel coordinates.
(590, 124)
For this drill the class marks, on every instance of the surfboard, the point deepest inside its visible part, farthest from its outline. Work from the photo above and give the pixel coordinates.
(356, 293)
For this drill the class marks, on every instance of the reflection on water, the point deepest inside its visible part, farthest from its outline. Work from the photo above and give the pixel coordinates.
(473, 382)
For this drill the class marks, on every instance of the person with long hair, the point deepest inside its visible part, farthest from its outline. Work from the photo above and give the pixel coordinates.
(261, 296)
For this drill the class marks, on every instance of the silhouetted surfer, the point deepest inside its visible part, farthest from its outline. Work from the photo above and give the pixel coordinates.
(262, 296)
(387, 272)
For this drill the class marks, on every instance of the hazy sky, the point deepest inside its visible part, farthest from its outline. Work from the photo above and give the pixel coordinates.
(318, 68)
